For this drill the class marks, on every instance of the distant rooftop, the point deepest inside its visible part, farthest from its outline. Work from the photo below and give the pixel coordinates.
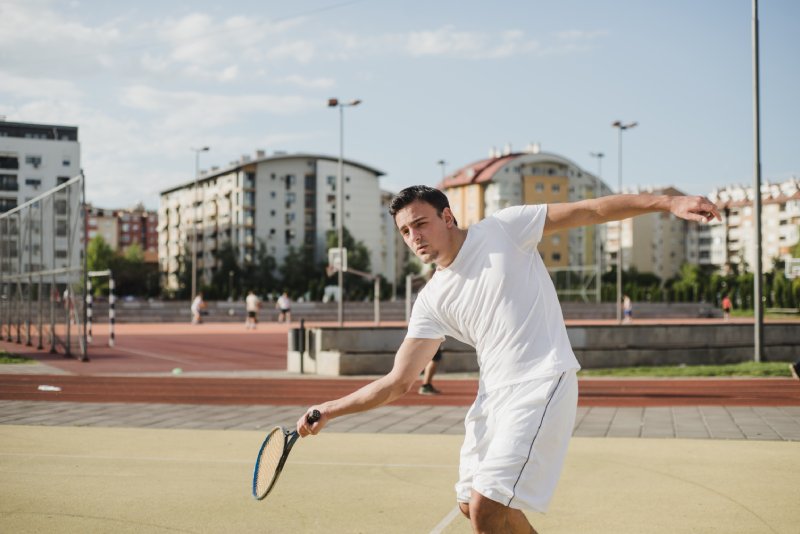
(26, 130)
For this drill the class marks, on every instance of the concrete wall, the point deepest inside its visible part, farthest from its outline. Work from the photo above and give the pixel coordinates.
(140, 311)
(370, 351)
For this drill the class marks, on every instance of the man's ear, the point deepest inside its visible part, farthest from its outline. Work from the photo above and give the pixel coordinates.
(449, 218)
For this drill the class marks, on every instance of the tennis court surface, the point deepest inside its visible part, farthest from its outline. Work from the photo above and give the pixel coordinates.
(126, 445)
(79, 479)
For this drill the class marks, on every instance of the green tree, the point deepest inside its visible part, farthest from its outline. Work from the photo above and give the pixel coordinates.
(300, 274)
(226, 278)
(99, 257)
(358, 258)
(132, 275)
(260, 276)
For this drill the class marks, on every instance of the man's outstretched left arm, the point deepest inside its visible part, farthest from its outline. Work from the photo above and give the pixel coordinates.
(617, 207)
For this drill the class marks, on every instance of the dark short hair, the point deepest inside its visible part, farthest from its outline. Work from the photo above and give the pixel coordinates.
(423, 193)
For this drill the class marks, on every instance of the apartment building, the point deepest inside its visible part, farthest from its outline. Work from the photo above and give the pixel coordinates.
(35, 158)
(657, 243)
(121, 228)
(284, 200)
(731, 242)
(510, 178)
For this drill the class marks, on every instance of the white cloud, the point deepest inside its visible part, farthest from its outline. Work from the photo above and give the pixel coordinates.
(35, 38)
(180, 110)
(450, 42)
(37, 87)
(308, 83)
(301, 51)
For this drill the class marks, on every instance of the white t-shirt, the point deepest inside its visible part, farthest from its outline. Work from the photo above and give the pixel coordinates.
(498, 297)
(284, 303)
(252, 302)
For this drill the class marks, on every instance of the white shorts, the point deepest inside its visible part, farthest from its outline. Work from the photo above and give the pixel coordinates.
(516, 441)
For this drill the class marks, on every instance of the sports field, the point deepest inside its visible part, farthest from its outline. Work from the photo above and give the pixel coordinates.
(105, 454)
(55, 479)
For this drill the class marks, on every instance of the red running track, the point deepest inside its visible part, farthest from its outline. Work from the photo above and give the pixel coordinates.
(228, 347)
(305, 391)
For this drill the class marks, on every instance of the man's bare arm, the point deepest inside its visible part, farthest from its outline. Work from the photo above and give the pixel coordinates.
(409, 362)
(617, 207)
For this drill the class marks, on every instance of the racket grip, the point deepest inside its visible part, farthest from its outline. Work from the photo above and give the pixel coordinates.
(313, 417)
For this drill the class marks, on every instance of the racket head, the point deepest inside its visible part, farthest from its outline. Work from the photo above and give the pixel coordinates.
(272, 457)
(269, 462)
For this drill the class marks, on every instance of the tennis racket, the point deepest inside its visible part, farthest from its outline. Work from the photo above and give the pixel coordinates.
(272, 456)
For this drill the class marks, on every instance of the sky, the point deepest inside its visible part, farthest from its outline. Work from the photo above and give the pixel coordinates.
(147, 81)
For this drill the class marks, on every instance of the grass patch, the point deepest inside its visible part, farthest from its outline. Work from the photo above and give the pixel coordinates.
(778, 369)
(7, 357)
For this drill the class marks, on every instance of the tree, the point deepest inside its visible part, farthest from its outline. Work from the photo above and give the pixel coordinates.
(99, 257)
(226, 278)
(358, 258)
(300, 274)
(260, 275)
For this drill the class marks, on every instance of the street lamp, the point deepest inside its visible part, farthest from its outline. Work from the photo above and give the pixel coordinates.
(335, 103)
(442, 163)
(194, 217)
(597, 192)
(621, 127)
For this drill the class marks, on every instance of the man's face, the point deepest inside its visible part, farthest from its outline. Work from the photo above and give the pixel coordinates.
(423, 230)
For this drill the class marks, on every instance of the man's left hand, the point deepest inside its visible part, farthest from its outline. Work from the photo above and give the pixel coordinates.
(698, 209)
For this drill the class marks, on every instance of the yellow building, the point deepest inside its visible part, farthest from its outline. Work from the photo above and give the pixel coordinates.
(530, 177)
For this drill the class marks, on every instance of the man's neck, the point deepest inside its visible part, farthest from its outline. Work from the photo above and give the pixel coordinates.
(459, 236)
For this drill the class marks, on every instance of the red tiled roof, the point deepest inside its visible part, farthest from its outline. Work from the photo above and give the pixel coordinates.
(477, 172)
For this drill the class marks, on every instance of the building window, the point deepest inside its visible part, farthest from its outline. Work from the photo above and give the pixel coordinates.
(33, 182)
(62, 180)
(7, 204)
(539, 188)
(33, 160)
(66, 162)
(556, 256)
(9, 162)
(8, 182)
(555, 188)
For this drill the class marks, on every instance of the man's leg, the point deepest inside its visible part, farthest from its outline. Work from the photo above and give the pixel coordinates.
(488, 516)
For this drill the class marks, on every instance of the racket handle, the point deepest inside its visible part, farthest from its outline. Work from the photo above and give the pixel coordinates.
(313, 417)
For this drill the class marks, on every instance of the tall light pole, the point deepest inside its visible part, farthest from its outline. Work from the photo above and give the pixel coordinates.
(443, 164)
(597, 192)
(621, 127)
(757, 289)
(194, 217)
(335, 103)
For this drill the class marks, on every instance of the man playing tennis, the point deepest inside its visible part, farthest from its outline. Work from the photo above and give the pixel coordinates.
(492, 291)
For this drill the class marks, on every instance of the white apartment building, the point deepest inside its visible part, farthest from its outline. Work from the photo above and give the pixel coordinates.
(395, 252)
(732, 241)
(286, 200)
(530, 177)
(35, 158)
(657, 243)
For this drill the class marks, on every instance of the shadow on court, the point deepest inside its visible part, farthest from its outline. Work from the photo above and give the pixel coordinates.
(72, 479)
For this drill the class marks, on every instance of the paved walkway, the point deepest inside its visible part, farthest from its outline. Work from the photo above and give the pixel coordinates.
(697, 422)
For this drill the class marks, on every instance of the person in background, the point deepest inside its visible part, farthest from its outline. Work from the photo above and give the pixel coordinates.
(627, 309)
(284, 305)
(252, 305)
(198, 305)
(427, 377)
(726, 307)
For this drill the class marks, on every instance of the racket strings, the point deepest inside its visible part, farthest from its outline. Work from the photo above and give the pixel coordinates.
(269, 461)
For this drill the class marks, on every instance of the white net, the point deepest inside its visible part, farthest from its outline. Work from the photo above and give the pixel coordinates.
(42, 273)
